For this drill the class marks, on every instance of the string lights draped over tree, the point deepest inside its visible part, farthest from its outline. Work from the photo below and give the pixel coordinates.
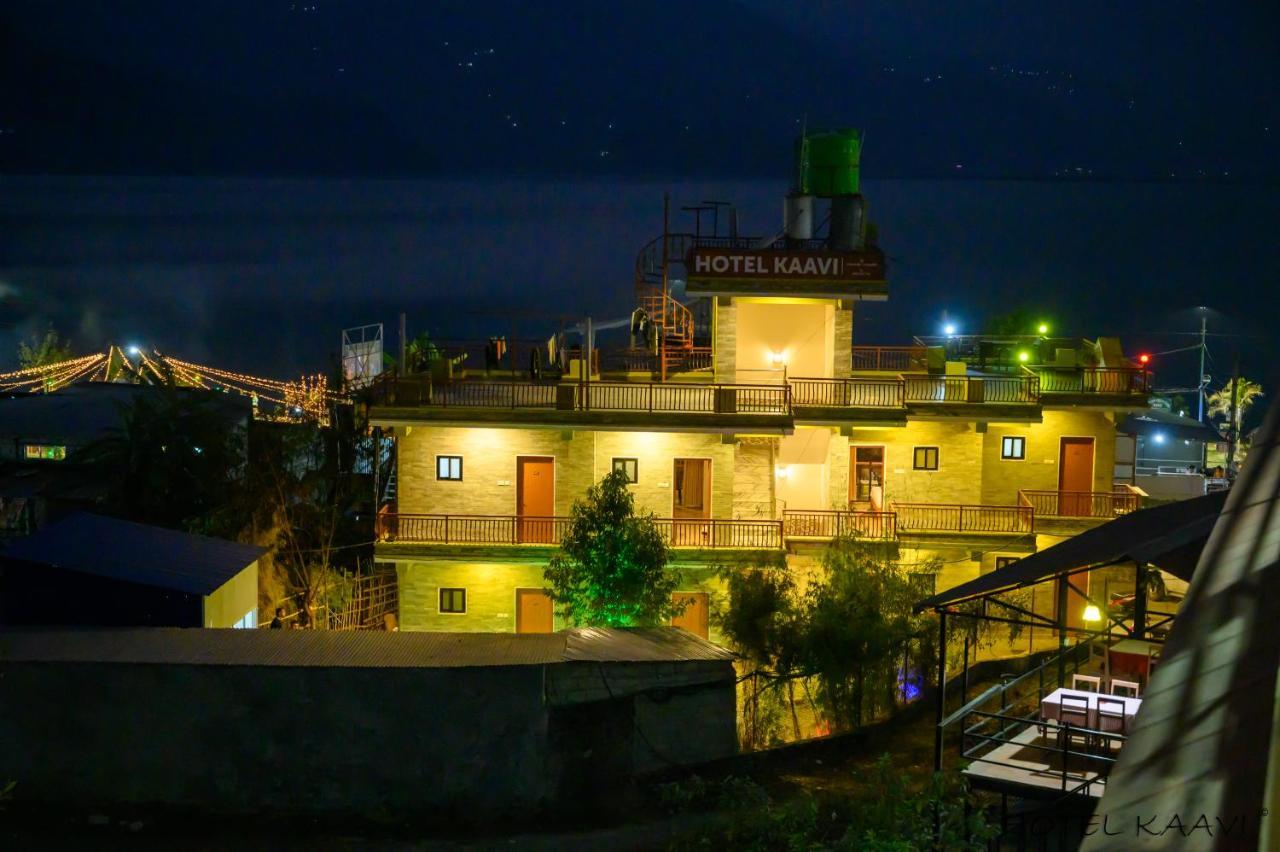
(306, 399)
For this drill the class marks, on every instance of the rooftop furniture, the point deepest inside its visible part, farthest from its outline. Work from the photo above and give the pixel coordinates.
(1127, 688)
(1092, 683)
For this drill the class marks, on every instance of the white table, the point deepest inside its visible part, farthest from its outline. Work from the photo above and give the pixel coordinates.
(1051, 705)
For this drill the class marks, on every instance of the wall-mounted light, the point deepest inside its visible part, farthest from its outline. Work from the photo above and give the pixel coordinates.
(777, 360)
(783, 471)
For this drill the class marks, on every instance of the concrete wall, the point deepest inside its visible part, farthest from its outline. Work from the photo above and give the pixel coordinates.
(1002, 478)
(957, 479)
(233, 600)
(802, 332)
(260, 739)
(724, 339)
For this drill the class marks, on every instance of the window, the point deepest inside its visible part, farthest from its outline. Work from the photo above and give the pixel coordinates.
(1005, 561)
(449, 467)
(453, 600)
(926, 458)
(630, 468)
(44, 452)
(249, 620)
(1013, 447)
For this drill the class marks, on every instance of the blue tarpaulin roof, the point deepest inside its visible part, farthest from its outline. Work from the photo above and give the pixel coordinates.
(135, 553)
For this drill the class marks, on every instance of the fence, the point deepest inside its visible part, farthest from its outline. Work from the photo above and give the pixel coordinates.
(954, 517)
(973, 389)
(1102, 380)
(832, 524)
(845, 393)
(896, 359)
(358, 602)
(1082, 504)
(514, 529)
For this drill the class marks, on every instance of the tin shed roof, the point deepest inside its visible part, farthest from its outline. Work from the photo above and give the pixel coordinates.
(135, 553)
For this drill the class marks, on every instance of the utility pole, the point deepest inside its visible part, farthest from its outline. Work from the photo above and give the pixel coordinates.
(1200, 378)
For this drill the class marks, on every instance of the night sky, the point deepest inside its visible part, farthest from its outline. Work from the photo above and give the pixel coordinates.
(315, 165)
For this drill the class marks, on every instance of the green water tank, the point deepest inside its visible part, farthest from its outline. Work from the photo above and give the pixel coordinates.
(827, 162)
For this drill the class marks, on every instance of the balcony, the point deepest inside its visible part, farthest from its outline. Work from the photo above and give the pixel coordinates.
(963, 518)
(713, 533)
(1079, 504)
(1083, 385)
(893, 359)
(597, 403)
(827, 524)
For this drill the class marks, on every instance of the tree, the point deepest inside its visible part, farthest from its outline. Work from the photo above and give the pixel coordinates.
(174, 461)
(611, 568)
(1220, 403)
(46, 350)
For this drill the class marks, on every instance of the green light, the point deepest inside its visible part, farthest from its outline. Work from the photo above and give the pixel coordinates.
(1044, 328)
(1024, 357)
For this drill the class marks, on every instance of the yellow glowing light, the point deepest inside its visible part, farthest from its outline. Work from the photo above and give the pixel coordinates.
(777, 359)
(1092, 613)
(1044, 328)
(1024, 357)
(784, 471)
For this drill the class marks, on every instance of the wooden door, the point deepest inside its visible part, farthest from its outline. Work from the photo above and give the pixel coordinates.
(867, 483)
(694, 617)
(536, 498)
(533, 611)
(1075, 476)
(691, 499)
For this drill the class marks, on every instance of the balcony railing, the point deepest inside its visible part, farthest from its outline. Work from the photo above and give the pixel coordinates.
(1079, 504)
(1122, 381)
(955, 517)
(848, 393)
(972, 389)
(803, 523)
(512, 529)
(893, 359)
(650, 397)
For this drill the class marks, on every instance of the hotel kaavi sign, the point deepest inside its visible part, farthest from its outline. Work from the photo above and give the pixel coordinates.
(784, 272)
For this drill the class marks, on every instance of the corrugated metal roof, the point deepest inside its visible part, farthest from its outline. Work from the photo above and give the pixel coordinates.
(353, 649)
(135, 553)
(1166, 535)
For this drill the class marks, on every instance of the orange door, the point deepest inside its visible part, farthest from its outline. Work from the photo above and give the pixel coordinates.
(1075, 476)
(694, 617)
(691, 498)
(536, 498)
(533, 611)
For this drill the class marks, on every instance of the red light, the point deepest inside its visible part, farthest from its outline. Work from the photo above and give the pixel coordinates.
(1143, 359)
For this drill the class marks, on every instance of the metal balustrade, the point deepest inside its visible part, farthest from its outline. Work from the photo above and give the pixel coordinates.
(1024, 390)
(956, 517)
(1093, 380)
(1080, 504)
(804, 523)
(894, 359)
(848, 393)
(409, 528)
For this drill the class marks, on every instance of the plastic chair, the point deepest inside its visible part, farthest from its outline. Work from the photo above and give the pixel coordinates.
(1127, 688)
(1086, 683)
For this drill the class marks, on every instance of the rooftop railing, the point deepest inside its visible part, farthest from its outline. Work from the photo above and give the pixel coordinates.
(848, 393)
(1093, 380)
(1023, 389)
(893, 359)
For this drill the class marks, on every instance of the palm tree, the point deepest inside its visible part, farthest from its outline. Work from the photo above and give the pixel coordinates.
(1219, 402)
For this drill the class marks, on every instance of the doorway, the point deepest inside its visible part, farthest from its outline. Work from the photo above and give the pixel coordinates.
(690, 502)
(536, 499)
(1075, 477)
(694, 616)
(867, 483)
(534, 612)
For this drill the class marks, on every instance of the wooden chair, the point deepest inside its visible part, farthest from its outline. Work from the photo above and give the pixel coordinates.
(1127, 688)
(1111, 720)
(1086, 683)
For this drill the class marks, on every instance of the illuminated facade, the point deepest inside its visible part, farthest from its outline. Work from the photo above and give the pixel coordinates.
(757, 434)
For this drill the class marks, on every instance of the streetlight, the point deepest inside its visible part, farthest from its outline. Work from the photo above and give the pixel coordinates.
(949, 329)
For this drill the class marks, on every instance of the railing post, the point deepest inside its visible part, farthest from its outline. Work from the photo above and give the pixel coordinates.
(942, 689)
(446, 529)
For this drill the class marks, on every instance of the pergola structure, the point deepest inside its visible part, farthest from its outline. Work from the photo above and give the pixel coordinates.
(1169, 538)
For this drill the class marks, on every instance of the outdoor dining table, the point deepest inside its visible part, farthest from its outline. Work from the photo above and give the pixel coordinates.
(1130, 656)
(1051, 705)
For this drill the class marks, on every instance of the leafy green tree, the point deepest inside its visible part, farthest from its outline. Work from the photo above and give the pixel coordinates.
(174, 461)
(611, 569)
(40, 352)
(1219, 402)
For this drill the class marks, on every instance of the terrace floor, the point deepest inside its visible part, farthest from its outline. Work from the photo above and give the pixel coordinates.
(1018, 765)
